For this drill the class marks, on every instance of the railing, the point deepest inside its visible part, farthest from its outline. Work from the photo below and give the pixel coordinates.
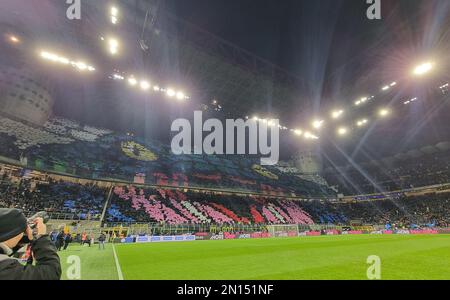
(65, 216)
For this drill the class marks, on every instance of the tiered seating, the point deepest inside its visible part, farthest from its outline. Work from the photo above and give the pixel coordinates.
(65, 146)
(175, 207)
(376, 177)
(58, 198)
(28, 136)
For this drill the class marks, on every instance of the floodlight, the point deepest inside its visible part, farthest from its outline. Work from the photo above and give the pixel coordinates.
(145, 85)
(317, 124)
(132, 81)
(423, 69)
(342, 131)
(171, 93)
(336, 114)
(383, 112)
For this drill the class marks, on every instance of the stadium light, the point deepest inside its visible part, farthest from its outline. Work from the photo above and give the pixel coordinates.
(255, 118)
(362, 100)
(385, 88)
(145, 85)
(171, 93)
(118, 77)
(114, 14)
(361, 123)
(310, 136)
(180, 96)
(14, 39)
(383, 112)
(156, 88)
(337, 114)
(132, 81)
(113, 46)
(423, 69)
(298, 132)
(317, 124)
(342, 131)
(65, 61)
(410, 101)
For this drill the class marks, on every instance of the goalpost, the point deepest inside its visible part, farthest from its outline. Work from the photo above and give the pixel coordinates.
(283, 230)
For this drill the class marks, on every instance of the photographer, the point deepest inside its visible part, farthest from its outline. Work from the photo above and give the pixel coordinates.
(13, 228)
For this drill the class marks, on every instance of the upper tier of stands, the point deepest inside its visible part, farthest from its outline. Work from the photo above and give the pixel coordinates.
(378, 177)
(64, 146)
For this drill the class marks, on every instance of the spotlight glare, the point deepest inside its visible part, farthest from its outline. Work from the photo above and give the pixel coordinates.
(114, 11)
(64, 60)
(145, 85)
(310, 136)
(385, 88)
(171, 93)
(361, 123)
(342, 131)
(113, 46)
(336, 114)
(317, 124)
(298, 132)
(383, 112)
(180, 96)
(132, 81)
(156, 88)
(81, 65)
(14, 39)
(423, 69)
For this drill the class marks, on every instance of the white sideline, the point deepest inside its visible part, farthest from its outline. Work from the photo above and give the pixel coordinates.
(119, 270)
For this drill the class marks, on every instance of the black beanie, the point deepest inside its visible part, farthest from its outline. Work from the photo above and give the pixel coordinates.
(12, 223)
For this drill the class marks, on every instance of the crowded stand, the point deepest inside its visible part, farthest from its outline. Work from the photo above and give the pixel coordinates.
(60, 199)
(412, 172)
(64, 146)
(131, 204)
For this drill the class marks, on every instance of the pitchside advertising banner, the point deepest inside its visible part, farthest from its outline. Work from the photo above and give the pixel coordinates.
(230, 236)
(159, 239)
(258, 235)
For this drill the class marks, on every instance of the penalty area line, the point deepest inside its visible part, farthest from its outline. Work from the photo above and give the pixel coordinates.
(119, 270)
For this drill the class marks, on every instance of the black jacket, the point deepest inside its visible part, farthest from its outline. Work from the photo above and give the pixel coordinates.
(47, 265)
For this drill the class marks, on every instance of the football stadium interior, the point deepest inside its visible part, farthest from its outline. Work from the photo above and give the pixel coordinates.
(86, 109)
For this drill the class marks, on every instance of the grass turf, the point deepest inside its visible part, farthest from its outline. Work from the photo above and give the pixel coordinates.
(325, 257)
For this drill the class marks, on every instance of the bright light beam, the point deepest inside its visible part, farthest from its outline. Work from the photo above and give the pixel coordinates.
(423, 69)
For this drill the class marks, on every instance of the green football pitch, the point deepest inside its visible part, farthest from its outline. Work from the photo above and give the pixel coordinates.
(325, 257)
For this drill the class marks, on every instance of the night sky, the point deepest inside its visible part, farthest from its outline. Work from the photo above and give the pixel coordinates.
(320, 41)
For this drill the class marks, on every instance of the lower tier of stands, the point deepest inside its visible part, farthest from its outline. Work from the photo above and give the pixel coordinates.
(131, 204)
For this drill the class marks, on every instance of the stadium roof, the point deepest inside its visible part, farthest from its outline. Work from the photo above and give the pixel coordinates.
(175, 53)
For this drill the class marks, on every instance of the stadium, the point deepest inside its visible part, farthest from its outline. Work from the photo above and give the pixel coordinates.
(357, 112)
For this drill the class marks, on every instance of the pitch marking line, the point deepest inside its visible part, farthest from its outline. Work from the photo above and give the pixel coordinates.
(119, 270)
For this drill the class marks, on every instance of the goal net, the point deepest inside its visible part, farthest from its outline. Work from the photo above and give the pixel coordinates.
(283, 230)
